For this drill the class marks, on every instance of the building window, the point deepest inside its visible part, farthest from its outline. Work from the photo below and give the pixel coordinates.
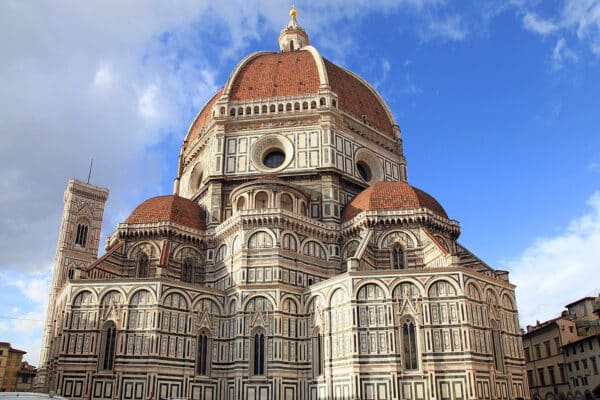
(557, 345)
(577, 365)
(409, 346)
(187, 271)
(142, 266)
(547, 347)
(538, 352)
(259, 353)
(530, 377)
(81, 235)
(203, 355)
(109, 338)
(594, 365)
(398, 258)
(542, 377)
(561, 371)
(551, 375)
(527, 356)
(584, 363)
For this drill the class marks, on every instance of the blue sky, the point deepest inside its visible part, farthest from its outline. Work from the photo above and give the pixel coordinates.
(498, 102)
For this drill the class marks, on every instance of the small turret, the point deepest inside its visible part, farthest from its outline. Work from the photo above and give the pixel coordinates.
(292, 37)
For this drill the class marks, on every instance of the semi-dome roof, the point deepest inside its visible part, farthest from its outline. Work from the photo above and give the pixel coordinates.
(170, 208)
(389, 196)
(268, 75)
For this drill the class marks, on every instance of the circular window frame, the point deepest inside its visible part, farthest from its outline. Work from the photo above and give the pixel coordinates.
(369, 160)
(267, 144)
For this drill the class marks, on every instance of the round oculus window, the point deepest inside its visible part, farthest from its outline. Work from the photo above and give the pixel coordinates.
(364, 171)
(273, 158)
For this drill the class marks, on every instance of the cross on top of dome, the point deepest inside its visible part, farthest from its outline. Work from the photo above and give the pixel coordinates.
(292, 37)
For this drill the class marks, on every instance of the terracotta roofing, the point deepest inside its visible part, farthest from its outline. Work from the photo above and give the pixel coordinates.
(203, 117)
(276, 74)
(388, 196)
(356, 98)
(170, 208)
(295, 73)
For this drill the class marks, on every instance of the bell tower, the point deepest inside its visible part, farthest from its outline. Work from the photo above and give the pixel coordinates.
(78, 242)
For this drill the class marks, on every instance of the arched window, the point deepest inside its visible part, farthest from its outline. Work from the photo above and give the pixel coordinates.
(291, 45)
(318, 360)
(81, 235)
(286, 202)
(109, 338)
(187, 270)
(259, 353)
(398, 258)
(261, 200)
(409, 345)
(497, 347)
(203, 355)
(142, 266)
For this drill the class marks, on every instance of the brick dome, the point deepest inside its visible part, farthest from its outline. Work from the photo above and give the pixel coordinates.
(389, 196)
(170, 208)
(268, 75)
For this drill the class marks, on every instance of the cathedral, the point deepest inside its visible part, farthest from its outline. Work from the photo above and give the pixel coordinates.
(293, 261)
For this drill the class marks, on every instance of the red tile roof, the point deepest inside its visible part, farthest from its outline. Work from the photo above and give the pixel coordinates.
(389, 196)
(202, 119)
(356, 98)
(170, 208)
(276, 74)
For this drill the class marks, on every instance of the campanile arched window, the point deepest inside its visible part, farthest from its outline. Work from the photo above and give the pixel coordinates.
(81, 236)
(408, 337)
(109, 338)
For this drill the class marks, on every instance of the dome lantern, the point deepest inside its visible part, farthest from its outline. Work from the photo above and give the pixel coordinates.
(292, 37)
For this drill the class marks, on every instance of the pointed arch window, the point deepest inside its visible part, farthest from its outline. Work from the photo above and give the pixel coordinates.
(497, 347)
(142, 266)
(203, 354)
(259, 353)
(398, 261)
(318, 359)
(81, 236)
(409, 345)
(187, 270)
(109, 338)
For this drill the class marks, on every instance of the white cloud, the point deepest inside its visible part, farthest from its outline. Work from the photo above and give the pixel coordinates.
(562, 55)
(554, 271)
(103, 78)
(450, 27)
(578, 19)
(538, 25)
(35, 288)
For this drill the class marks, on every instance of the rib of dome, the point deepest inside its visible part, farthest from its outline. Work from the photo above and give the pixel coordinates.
(389, 196)
(356, 98)
(170, 208)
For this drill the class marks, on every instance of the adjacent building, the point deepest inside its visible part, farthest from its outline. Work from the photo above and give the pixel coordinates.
(15, 374)
(563, 354)
(292, 261)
